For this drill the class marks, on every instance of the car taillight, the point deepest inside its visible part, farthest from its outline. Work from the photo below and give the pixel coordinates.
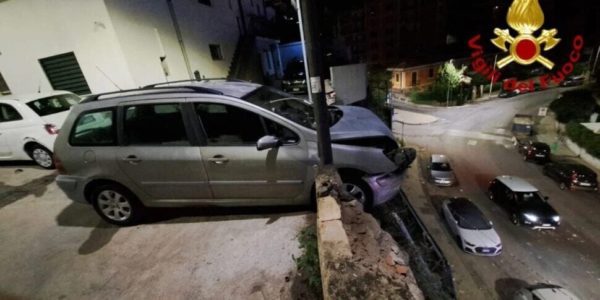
(51, 128)
(59, 165)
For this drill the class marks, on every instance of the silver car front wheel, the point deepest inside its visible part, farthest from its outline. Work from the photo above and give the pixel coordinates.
(114, 205)
(356, 192)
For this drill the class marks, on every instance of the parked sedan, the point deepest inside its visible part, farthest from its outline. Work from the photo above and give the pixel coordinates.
(474, 232)
(572, 176)
(535, 151)
(440, 171)
(573, 80)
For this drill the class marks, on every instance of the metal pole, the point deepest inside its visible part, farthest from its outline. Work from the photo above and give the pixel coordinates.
(179, 38)
(596, 61)
(306, 75)
(310, 12)
(493, 72)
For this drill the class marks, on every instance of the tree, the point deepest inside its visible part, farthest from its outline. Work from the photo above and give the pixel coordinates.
(450, 77)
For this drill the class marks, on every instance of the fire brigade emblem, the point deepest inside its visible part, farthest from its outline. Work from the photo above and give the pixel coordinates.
(525, 17)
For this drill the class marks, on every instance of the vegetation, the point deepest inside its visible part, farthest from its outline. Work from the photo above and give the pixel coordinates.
(379, 85)
(584, 137)
(448, 87)
(575, 106)
(308, 262)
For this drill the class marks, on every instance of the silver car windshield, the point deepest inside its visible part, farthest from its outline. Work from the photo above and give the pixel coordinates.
(294, 109)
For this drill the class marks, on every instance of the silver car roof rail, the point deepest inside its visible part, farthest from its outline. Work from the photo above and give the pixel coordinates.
(153, 90)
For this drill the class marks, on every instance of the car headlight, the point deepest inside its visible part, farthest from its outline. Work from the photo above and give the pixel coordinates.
(531, 217)
(469, 244)
(287, 82)
(556, 218)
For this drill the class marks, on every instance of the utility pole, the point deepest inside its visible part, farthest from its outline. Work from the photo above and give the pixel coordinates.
(310, 15)
(493, 73)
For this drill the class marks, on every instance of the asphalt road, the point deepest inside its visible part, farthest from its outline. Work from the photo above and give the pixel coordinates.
(477, 140)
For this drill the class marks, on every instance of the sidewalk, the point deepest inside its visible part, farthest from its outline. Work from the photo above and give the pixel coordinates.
(412, 118)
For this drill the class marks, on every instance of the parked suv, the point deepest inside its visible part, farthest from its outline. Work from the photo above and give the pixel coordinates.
(29, 125)
(572, 176)
(216, 142)
(523, 202)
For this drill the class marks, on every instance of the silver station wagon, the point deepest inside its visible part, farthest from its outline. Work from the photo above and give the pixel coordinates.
(214, 143)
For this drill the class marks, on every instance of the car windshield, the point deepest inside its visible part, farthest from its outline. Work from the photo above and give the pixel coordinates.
(469, 216)
(294, 109)
(529, 197)
(441, 167)
(53, 105)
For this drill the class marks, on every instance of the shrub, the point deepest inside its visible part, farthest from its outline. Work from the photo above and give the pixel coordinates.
(575, 106)
(585, 138)
(308, 262)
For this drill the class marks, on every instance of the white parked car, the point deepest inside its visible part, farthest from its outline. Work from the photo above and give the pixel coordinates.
(29, 125)
(544, 292)
(473, 231)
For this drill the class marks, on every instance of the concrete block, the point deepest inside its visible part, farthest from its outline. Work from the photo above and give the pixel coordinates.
(328, 209)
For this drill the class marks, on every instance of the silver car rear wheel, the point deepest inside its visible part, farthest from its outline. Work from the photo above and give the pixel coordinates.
(114, 205)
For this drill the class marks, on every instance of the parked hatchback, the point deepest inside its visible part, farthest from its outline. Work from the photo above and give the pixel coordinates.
(440, 171)
(523, 202)
(572, 176)
(473, 231)
(217, 142)
(535, 151)
(29, 125)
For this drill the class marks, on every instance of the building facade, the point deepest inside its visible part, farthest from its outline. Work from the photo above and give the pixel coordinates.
(97, 46)
(413, 77)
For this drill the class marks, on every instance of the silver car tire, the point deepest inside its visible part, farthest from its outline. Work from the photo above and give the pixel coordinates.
(42, 156)
(117, 205)
(359, 190)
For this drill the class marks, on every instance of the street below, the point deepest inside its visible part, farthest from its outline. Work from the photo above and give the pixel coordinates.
(477, 140)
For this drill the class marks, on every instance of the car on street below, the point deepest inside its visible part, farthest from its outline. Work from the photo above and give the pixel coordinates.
(523, 202)
(29, 125)
(509, 93)
(535, 151)
(544, 292)
(215, 143)
(474, 233)
(440, 171)
(572, 176)
(294, 78)
(573, 80)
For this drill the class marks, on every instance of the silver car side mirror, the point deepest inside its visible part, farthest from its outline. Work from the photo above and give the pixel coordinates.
(267, 142)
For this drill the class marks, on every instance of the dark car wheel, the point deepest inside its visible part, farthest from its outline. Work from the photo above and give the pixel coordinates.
(117, 205)
(359, 190)
(41, 156)
(515, 219)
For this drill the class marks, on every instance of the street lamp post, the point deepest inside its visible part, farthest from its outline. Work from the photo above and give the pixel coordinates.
(493, 73)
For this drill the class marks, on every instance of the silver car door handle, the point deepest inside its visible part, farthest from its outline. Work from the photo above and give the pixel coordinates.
(132, 159)
(218, 159)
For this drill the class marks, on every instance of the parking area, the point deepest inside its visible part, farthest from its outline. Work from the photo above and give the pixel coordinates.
(53, 248)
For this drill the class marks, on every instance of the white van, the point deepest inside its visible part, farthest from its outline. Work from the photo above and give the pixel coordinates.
(29, 125)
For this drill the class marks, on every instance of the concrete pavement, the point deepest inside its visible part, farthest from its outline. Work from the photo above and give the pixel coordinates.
(55, 249)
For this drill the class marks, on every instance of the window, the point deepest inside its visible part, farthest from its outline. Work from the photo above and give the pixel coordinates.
(205, 2)
(53, 105)
(414, 79)
(226, 125)
(431, 73)
(4, 90)
(9, 113)
(286, 135)
(397, 77)
(215, 52)
(94, 129)
(64, 73)
(155, 124)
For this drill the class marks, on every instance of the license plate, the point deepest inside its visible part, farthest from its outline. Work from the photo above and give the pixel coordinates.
(296, 89)
(585, 184)
(540, 155)
(546, 225)
(485, 251)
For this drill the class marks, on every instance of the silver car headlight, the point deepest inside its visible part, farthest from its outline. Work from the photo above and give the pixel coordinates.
(556, 218)
(531, 217)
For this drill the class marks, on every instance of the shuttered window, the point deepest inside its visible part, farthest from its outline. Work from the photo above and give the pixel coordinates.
(64, 73)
